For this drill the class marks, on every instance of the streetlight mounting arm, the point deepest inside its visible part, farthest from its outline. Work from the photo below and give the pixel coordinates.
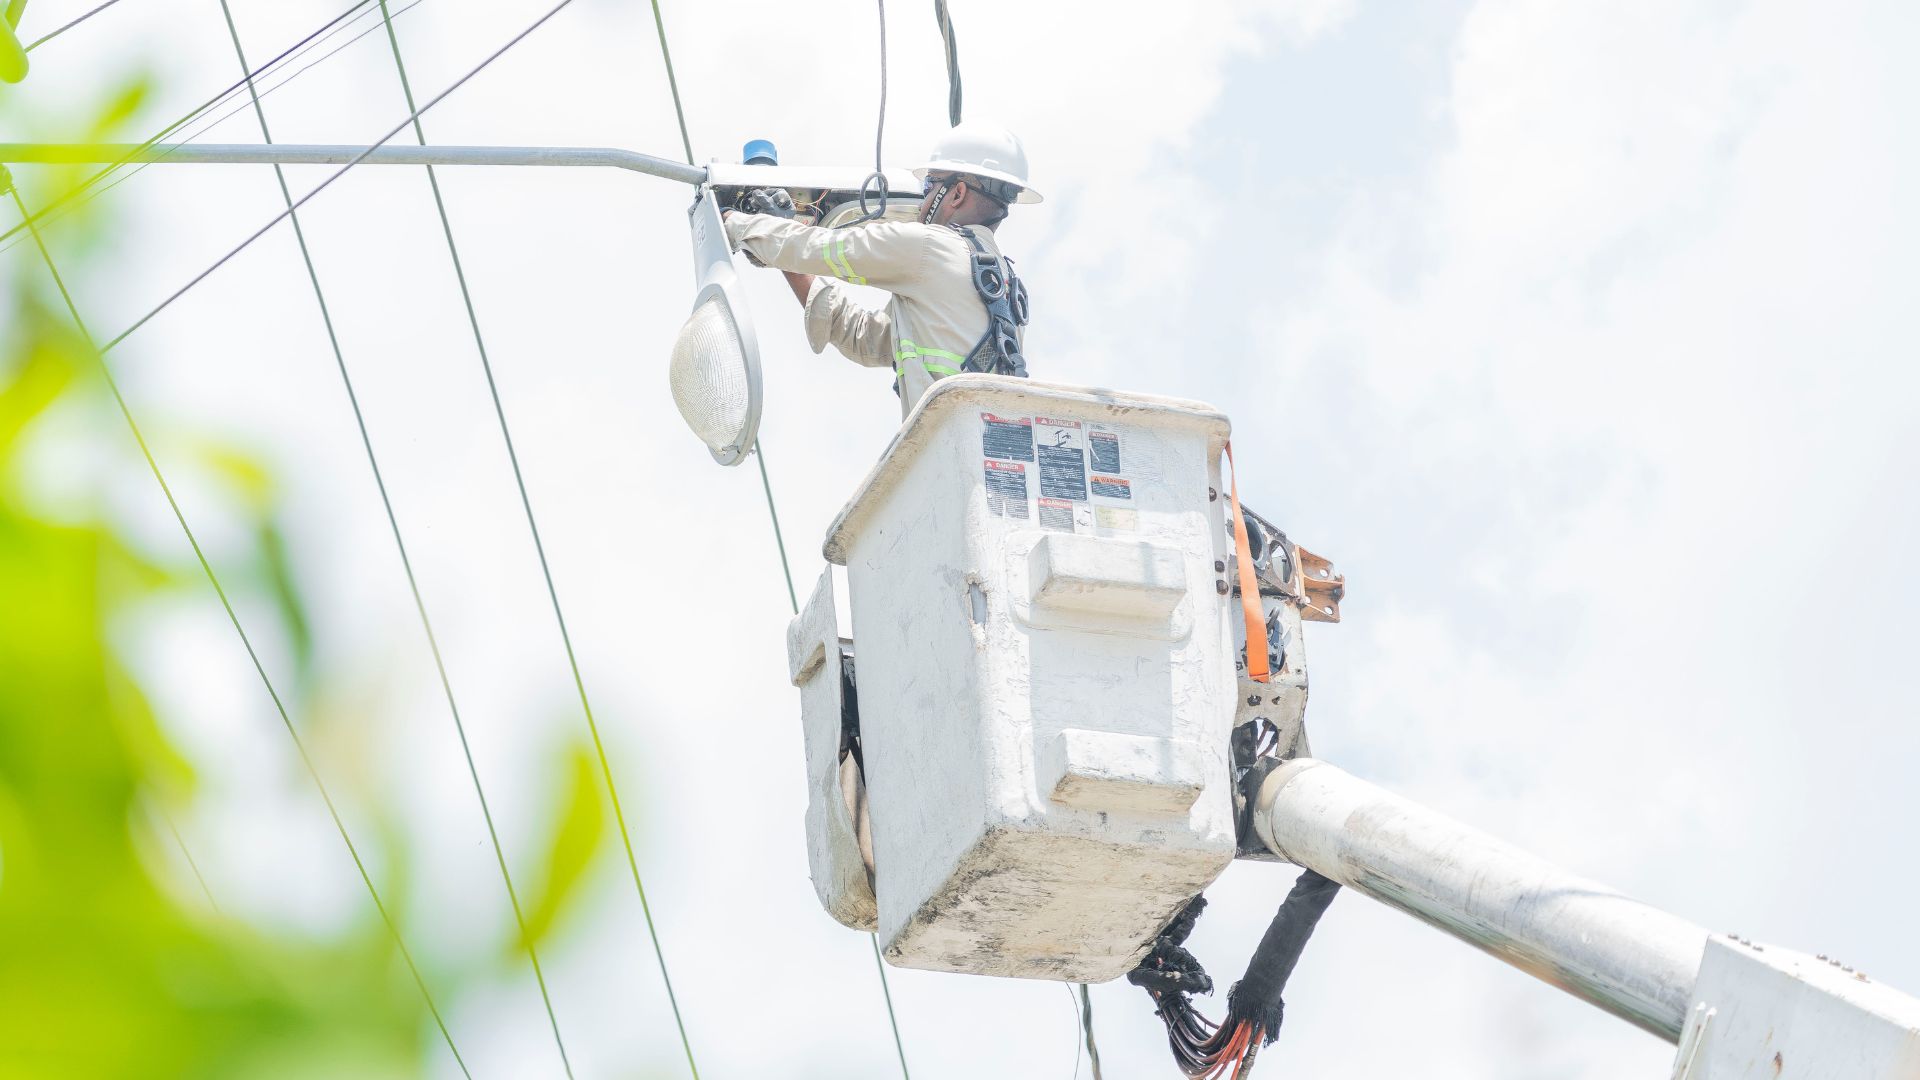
(331, 154)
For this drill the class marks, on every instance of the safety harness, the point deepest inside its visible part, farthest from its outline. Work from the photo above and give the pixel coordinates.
(1005, 296)
(1001, 290)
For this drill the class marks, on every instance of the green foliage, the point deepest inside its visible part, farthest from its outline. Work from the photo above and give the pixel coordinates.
(578, 835)
(104, 970)
(109, 966)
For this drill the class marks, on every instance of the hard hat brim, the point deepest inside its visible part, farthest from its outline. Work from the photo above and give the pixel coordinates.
(1027, 195)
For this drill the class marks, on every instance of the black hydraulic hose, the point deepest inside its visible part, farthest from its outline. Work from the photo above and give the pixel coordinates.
(1257, 996)
(1255, 1008)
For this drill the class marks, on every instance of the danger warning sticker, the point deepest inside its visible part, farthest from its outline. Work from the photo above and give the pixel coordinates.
(1104, 450)
(1063, 473)
(1009, 439)
(1112, 487)
(1056, 514)
(1007, 489)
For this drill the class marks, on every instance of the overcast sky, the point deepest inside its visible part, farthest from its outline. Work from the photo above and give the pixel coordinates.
(1579, 336)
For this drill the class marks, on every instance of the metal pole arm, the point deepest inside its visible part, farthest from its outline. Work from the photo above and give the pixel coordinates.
(1635, 961)
(298, 154)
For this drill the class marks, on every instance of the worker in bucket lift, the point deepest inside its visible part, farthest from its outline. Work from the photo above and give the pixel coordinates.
(956, 305)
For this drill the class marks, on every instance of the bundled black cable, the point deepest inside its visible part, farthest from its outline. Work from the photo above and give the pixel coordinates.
(953, 61)
(1255, 1009)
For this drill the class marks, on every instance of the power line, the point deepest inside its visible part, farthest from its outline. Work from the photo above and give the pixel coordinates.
(1086, 1019)
(673, 84)
(299, 47)
(209, 125)
(766, 485)
(879, 170)
(342, 171)
(76, 22)
(945, 22)
(886, 991)
(101, 350)
(180, 842)
(400, 544)
(1075, 1000)
(252, 654)
(880, 126)
(779, 541)
(539, 547)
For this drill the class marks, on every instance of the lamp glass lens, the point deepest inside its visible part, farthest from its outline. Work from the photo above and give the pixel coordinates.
(709, 375)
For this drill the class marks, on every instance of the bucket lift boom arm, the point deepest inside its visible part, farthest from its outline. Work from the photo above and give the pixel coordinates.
(1738, 1010)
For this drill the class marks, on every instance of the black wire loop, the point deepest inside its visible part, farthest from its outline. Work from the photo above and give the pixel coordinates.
(879, 210)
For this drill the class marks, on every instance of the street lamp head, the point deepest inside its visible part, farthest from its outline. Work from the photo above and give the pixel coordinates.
(714, 372)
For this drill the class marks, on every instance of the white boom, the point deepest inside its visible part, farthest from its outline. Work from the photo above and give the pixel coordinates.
(1739, 1011)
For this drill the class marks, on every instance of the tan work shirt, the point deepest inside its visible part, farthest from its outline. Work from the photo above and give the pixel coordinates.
(924, 333)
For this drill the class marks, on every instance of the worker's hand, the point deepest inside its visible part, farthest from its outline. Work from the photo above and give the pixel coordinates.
(751, 260)
(774, 201)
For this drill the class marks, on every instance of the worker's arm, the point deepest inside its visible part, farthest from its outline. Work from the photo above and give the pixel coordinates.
(834, 317)
(801, 284)
(885, 254)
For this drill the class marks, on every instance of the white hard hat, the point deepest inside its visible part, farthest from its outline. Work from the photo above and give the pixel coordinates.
(982, 150)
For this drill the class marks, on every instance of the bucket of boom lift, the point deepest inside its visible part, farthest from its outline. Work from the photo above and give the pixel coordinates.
(1045, 681)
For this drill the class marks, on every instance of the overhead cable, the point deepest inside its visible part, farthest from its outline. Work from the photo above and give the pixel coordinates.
(880, 125)
(879, 171)
(1075, 999)
(539, 546)
(886, 991)
(1086, 1021)
(766, 485)
(208, 125)
(780, 543)
(342, 171)
(879, 175)
(953, 61)
(246, 641)
(673, 84)
(44, 38)
(181, 843)
(66, 199)
(400, 544)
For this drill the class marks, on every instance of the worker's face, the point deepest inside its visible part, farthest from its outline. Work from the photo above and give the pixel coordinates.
(957, 193)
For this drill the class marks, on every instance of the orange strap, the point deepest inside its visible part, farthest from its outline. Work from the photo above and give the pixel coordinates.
(1257, 647)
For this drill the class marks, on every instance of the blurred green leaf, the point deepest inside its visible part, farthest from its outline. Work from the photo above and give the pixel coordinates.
(107, 969)
(577, 837)
(122, 107)
(40, 374)
(242, 472)
(249, 478)
(283, 585)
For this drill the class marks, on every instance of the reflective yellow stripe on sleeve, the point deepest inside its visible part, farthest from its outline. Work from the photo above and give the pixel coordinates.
(910, 351)
(842, 269)
(831, 264)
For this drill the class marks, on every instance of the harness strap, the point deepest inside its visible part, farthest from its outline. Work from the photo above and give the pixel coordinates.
(1005, 298)
(1257, 667)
